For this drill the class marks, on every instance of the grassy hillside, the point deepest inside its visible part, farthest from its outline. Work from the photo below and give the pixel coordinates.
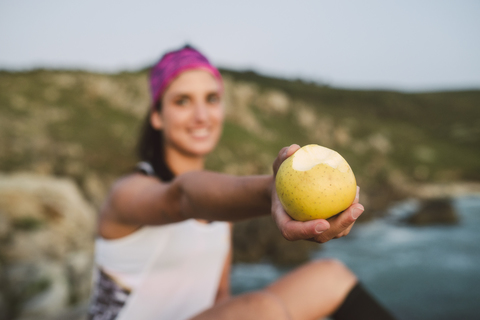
(84, 126)
(438, 130)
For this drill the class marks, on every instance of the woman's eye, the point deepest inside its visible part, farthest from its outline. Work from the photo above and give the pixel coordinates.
(181, 102)
(213, 99)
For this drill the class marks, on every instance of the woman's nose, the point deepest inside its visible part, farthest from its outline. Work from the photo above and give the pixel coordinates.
(201, 112)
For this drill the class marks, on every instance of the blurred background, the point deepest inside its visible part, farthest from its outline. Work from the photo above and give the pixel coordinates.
(393, 87)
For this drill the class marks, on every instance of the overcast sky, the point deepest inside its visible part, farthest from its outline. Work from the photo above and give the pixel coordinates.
(403, 45)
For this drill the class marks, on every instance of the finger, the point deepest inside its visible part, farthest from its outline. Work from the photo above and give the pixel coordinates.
(291, 150)
(279, 159)
(303, 230)
(357, 196)
(284, 154)
(345, 233)
(295, 230)
(341, 223)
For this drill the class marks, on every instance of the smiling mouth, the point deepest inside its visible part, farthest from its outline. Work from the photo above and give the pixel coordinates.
(200, 133)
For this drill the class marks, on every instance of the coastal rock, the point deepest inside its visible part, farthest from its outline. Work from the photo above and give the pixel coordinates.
(434, 211)
(259, 239)
(46, 246)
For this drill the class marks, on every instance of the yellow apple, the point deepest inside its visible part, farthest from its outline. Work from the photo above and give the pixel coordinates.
(315, 183)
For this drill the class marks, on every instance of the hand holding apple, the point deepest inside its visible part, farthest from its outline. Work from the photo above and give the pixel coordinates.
(319, 230)
(315, 183)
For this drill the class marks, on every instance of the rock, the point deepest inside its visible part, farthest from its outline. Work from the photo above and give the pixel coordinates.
(258, 239)
(434, 211)
(274, 102)
(46, 246)
(53, 277)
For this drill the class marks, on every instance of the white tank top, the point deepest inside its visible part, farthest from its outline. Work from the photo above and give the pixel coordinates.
(173, 270)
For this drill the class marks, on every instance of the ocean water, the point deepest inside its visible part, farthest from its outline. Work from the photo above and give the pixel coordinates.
(423, 273)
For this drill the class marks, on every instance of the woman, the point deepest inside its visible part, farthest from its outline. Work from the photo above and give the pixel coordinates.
(162, 250)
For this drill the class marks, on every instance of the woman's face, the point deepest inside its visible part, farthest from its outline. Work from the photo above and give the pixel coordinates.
(192, 114)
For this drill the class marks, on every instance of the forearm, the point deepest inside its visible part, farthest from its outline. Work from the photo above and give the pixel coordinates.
(214, 196)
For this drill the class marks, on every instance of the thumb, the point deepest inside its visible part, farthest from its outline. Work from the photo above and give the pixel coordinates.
(283, 155)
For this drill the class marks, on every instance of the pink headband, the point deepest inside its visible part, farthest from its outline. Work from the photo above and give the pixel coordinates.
(172, 64)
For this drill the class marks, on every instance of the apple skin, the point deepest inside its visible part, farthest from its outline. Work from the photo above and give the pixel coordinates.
(318, 193)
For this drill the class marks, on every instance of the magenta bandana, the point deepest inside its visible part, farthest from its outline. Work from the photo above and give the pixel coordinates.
(172, 64)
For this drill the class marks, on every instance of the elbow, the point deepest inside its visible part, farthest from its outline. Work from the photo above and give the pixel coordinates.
(179, 199)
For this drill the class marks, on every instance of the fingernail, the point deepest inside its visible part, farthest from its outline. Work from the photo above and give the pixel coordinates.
(357, 196)
(356, 212)
(319, 228)
(288, 149)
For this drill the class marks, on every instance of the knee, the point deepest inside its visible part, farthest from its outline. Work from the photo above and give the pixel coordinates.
(339, 279)
(254, 305)
(336, 269)
(267, 304)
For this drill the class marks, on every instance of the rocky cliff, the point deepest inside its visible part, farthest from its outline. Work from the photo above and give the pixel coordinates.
(46, 246)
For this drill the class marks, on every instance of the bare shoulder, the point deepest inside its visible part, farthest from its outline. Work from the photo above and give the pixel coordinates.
(126, 191)
(131, 184)
(118, 211)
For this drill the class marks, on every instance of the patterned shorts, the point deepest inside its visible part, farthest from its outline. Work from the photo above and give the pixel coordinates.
(108, 298)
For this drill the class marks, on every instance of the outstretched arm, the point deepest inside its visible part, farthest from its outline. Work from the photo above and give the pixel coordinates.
(139, 200)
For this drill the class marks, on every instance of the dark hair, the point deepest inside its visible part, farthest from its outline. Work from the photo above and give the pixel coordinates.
(150, 148)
